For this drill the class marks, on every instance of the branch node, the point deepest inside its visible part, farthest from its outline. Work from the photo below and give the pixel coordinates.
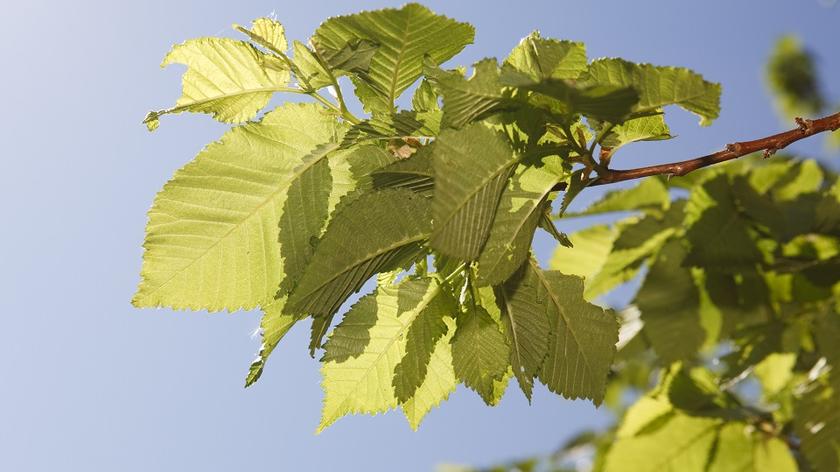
(805, 124)
(734, 147)
(769, 152)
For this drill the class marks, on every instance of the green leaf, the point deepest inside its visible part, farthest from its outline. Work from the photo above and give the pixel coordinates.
(271, 32)
(622, 251)
(642, 415)
(645, 128)
(425, 98)
(635, 243)
(546, 223)
(415, 173)
(827, 331)
(377, 232)
(525, 319)
(578, 181)
(309, 71)
(774, 372)
(427, 328)
(404, 124)
(807, 177)
(649, 195)
(404, 37)
(545, 58)
(660, 86)
(603, 102)
(480, 351)
(792, 74)
(521, 205)
(590, 248)
(273, 325)
(466, 100)
(439, 382)
(682, 444)
(366, 347)
(739, 448)
(695, 391)
(228, 79)
(304, 214)
(717, 233)
(583, 336)
(817, 424)
(754, 344)
(669, 303)
(211, 240)
(471, 169)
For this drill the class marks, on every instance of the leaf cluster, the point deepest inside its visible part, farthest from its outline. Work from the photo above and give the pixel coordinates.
(300, 208)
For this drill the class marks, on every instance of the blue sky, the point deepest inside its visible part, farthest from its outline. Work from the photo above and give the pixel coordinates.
(90, 383)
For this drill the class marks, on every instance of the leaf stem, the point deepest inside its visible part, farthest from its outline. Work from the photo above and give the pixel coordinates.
(307, 86)
(338, 95)
(458, 271)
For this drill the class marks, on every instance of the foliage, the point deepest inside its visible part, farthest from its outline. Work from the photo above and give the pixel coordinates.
(296, 211)
(794, 78)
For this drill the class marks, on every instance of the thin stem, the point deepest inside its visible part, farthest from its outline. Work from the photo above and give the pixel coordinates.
(307, 86)
(458, 270)
(338, 95)
(769, 145)
(585, 155)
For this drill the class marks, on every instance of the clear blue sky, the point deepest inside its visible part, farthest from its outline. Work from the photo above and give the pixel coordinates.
(89, 383)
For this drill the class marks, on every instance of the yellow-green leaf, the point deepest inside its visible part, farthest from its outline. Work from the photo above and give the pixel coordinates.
(365, 348)
(404, 37)
(226, 78)
(212, 237)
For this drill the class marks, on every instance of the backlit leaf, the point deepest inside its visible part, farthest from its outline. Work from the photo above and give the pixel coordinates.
(228, 79)
(521, 205)
(404, 37)
(471, 169)
(480, 351)
(212, 238)
(365, 348)
(377, 232)
(660, 86)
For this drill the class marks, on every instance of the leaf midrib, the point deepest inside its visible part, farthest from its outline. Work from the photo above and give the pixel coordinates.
(562, 313)
(469, 196)
(522, 221)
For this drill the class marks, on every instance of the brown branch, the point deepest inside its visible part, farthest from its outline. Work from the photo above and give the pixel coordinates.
(769, 145)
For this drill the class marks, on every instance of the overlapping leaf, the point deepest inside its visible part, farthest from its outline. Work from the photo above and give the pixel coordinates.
(526, 320)
(404, 37)
(718, 235)
(545, 58)
(521, 205)
(669, 302)
(377, 232)
(428, 327)
(274, 325)
(468, 99)
(479, 351)
(211, 241)
(366, 347)
(583, 337)
(228, 79)
(471, 170)
(439, 382)
(660, 86)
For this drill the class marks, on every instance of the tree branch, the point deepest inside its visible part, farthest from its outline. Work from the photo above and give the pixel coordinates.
(769, 145)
